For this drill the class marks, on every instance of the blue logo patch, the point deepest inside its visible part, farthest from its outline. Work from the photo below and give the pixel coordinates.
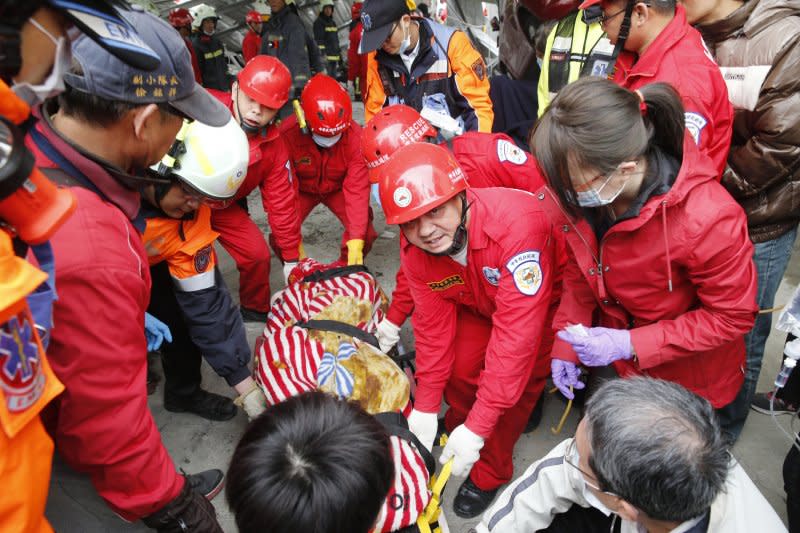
(492, 275)
(366, 20)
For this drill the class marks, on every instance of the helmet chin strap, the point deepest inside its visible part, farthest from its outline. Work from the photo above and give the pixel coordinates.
(460, 236)
(244, 125)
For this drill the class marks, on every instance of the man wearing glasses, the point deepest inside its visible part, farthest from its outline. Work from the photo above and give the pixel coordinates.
(111, 122)
(648, 456)
(654, 43)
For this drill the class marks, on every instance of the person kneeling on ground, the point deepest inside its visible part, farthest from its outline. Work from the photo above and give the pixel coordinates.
(205, 167)
(649, 452)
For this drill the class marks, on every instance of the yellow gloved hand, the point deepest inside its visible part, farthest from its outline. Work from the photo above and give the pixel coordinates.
(302, 251)
(355, 252)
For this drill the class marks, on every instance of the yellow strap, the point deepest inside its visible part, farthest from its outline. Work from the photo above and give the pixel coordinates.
(556, 430)
(434, 508)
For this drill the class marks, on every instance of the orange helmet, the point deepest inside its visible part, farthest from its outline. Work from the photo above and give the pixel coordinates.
(417, 178)
(326, 106)
(253, 17)
(266, 80)
(394, 126)
(180, 17)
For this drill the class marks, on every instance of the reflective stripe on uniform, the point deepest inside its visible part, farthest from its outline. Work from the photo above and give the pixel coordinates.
(199, 282)
(212, 55)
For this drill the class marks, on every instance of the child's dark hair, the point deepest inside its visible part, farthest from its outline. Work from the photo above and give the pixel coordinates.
(312, 463)
(595, 123)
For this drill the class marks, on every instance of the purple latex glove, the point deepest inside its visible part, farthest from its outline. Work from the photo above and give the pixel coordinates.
(601, 346)
(566, 374)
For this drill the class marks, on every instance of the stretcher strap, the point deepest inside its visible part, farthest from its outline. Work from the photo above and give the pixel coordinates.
(396, 424)
(428, 521)
(340, 327)
(331, 273)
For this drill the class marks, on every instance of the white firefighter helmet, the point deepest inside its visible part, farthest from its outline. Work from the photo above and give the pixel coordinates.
(324, 3)
(200, 12)
(262, 7)
(211, 161)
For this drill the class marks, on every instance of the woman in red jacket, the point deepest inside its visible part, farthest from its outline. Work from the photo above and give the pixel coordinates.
(660, 259)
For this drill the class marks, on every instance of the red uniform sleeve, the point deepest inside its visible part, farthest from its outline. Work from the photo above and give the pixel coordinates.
(514, 167)
(356, 186)
(711, 125)
(105, 428)
(251, 44)
(577, 307)
(279, 198)
(402, 303)
(722, 269)
(353, 61)
(513, 349)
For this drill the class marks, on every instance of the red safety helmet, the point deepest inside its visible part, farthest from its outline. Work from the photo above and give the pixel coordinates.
(417, 178)
(266, 80)
(326, 106)
(253, 17)
(180, 17)
(355, 10)
(394, 126)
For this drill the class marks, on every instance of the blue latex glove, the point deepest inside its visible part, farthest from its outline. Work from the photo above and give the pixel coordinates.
(155, 332)
(566, 374)
(600, 346)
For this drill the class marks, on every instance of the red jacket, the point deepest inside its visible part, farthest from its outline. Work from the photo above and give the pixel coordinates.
(357, 63)
(680, 276)
(488, 160)
(251, 45)
(102, 424)
(679, 57)
(323, 171)
(509, 280)
(270, 171)
(195, 65)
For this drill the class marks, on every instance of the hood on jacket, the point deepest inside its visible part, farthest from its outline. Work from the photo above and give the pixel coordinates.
(753, 17)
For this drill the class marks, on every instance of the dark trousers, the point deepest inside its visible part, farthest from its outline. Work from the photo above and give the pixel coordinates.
(790, 393)
(180, 358)
(791, 484)
(584, 520)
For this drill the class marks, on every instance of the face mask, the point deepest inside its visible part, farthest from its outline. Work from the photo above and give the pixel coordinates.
(592, 198)
(406, 44)
(594, 501)
(54, 84)
(208, 33)
(326, 142)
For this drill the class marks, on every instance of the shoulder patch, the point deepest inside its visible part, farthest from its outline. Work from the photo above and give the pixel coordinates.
(695, 124)
(508, 151)
(526, 271)
(479, 69)
(446, 283)
(492, 275)
(202, 259)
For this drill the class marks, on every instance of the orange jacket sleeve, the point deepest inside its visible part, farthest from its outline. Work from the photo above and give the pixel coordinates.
(472, 79)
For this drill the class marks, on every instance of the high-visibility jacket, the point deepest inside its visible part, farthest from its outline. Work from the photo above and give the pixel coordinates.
(327, 36)
(574, 49)
(213, 63)
(447, 63)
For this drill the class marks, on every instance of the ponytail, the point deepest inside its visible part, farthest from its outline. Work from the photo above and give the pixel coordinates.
(664, 116)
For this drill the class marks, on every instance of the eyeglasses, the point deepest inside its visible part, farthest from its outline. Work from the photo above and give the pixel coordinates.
(605, 18)
(572, 458)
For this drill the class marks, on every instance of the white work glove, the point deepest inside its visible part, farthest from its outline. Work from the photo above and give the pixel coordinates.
(423, 425)
(464, 447)
(287, 269)
(388, 335)
(252, 402)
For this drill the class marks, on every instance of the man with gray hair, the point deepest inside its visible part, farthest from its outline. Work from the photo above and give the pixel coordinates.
(648, 456)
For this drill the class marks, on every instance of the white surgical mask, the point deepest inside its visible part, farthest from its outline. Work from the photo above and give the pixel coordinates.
(326, 142)
(592, 198)
(54, 84)
(594, 501)
(406, 44)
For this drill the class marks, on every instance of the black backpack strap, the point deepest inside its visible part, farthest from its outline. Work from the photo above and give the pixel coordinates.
(397, 425)
(331, 273)
(340, 327)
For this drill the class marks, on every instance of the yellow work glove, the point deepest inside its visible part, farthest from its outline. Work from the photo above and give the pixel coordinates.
(355, 252)
(302, 251)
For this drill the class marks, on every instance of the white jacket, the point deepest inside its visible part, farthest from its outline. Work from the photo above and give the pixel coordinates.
(550, 486)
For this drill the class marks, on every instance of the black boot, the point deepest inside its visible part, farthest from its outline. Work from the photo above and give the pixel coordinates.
(202, 403)
(207, 483)
(470, 501)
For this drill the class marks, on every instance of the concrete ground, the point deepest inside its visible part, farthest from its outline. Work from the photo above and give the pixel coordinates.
(197, 444)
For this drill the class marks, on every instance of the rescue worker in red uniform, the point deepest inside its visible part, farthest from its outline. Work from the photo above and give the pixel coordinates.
(262, 87)
(660, 259)
(487, 159)
(356, 63)
(206, 165)
(180, 19)
(658, 45)
(480, 264)
(251, 43)
(328, 164)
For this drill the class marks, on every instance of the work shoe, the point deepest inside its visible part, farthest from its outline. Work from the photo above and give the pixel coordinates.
(251, 315)
(470, 501)
(207, 483)
(202, 403)
(761, 404)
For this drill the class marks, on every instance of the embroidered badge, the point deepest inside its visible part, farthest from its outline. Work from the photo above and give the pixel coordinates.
(508, 151)
(446, 283)
(527, 272)
(21, 377)
(695, 124)
(492, 275)
(366, 20)
(479, 69)
(305, 160)
(202, 259)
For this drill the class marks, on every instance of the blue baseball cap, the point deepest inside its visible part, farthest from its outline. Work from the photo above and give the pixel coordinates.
(105, 21)
(172, 82)
(378, 18)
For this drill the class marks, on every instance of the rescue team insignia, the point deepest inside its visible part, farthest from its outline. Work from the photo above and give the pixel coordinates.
(479, 69)
(446, 283)
(508, 151)
(492, 275)
(402, 197)
(695, 124)
(527, 272)
(21, 376)
(202, 259)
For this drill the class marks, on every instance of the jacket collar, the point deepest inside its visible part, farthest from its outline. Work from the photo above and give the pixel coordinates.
(648, 63)
(425, 56)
